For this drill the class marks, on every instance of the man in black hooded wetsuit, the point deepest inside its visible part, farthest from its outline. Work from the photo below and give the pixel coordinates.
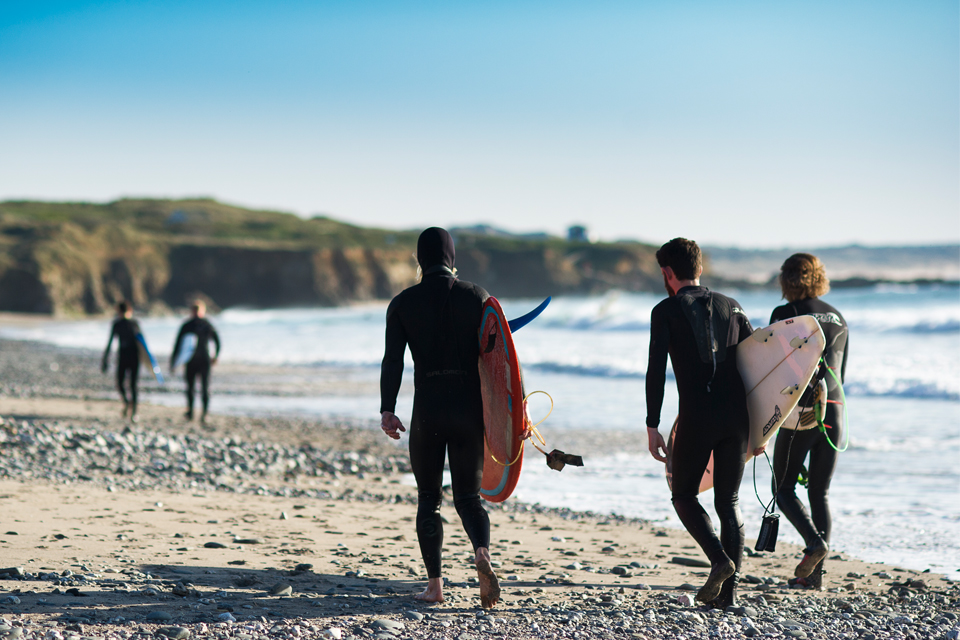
(126, 329)
(201, 362)
(439, 319)
(700, 329)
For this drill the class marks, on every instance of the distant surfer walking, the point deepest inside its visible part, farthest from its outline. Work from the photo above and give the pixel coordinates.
(200, 362)
(700, 330)
(126, 330)
(803, 280)
(439, 319)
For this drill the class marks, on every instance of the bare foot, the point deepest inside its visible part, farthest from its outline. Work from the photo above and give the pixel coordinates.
(718, 574)
(433, 592)
(489, 585)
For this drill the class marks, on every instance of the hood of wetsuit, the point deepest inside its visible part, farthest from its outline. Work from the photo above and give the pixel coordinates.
(435, 248)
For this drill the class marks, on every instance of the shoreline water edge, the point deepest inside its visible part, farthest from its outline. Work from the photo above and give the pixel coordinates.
(292, 527)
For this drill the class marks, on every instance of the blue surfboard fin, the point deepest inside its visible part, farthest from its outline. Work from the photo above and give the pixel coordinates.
(518, 323)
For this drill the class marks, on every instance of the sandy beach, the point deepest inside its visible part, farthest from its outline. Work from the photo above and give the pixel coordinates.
(284, 527)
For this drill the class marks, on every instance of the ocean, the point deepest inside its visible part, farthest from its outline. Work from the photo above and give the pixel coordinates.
(895, 495)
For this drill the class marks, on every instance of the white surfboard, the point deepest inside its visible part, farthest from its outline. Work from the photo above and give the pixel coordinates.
(188, 346)
(775, 364)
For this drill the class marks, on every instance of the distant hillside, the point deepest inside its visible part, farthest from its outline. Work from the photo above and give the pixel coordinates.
(81, 258)
(857, 263)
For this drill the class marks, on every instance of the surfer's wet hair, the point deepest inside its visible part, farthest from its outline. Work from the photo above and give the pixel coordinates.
(122, 307)
(683, 256)
(803, 276)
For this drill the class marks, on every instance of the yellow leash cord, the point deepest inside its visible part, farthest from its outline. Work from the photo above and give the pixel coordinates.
(531, 428)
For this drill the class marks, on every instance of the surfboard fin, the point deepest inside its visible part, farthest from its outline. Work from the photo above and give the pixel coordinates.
(557, 460)
(518, 323)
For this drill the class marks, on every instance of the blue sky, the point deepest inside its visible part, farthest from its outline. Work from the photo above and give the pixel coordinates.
(735, 123)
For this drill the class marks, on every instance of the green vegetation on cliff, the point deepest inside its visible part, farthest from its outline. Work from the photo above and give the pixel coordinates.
(80, 258)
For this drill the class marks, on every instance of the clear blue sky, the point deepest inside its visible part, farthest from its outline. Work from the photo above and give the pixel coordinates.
(737, 123)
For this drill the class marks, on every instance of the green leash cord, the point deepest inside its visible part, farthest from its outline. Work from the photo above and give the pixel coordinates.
(819, 412)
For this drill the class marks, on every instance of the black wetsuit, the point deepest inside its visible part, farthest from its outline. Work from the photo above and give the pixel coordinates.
(792, 447)
(713, 409)
(128, 358)
(439, 319)
(199, 364)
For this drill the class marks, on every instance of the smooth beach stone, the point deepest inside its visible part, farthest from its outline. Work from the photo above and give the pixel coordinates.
(214, 545)
(690, 562)
(174, 633)
(159, 616)
(413, 615)
(247, 541)
(385, 623)
(10, 600)
(281, 589)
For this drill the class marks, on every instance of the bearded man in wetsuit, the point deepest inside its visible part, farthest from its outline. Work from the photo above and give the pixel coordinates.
(201, 362)
(126, 330)
(700, 330)
(439, 318)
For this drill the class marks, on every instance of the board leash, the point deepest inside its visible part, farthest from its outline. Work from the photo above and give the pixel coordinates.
(846, 421)
(556, 459)
(531, 428)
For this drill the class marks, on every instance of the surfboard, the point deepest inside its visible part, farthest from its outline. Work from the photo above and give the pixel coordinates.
(188, 347)
(775, 364)
(147, 358)
(503, 407)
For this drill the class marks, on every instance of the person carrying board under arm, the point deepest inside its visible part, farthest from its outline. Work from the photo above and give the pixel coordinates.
(126, 329)
(700, 330)
(439, 319)
(201, 361)
(803, 280)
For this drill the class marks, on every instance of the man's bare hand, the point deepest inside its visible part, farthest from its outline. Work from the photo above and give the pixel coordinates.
(391, 424)
(759, 450)
(656, 444)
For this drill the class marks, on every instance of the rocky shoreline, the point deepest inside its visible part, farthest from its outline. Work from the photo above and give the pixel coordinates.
(277, 528)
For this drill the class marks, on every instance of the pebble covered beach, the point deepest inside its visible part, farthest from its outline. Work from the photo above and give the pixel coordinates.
(256, 528)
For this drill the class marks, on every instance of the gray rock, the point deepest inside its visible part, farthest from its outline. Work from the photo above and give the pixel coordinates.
(413, 615)
(12, 572)
(384, 623)
(281, 589)
(10, 600)
(690, 562)
(214, 545)
(159, 616)
(174, 633)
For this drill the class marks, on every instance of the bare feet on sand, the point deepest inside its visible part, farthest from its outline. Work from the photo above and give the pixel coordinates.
(489, 585)
(718, 573)
(433, 592)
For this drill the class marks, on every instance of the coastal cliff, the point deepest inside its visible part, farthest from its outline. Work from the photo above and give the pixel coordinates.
(68, 259)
